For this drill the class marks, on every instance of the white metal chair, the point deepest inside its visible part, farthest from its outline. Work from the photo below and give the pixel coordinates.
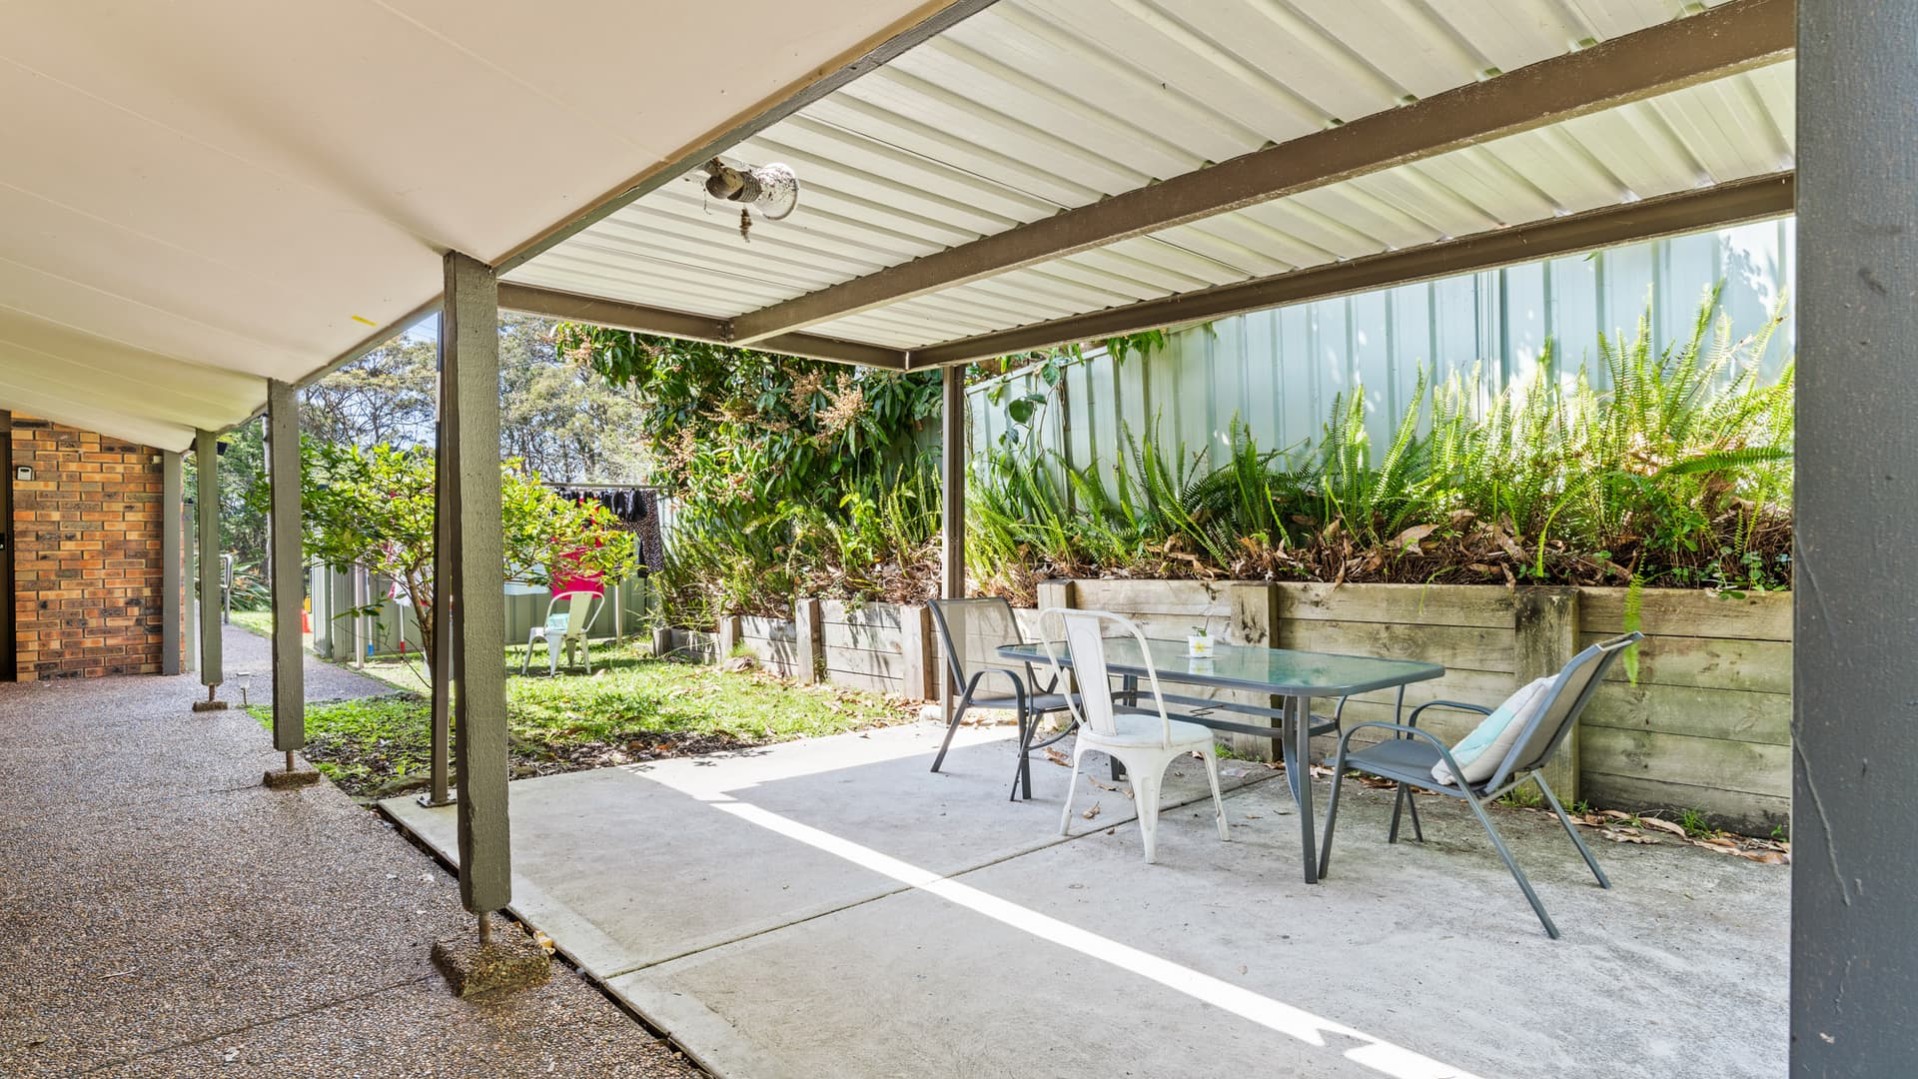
(565, 630)
(1145, 741)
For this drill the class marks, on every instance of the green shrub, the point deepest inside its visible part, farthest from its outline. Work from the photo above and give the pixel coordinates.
(1679, 474)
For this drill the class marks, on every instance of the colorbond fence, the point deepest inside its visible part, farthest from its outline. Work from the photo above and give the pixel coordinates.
(1278, 371)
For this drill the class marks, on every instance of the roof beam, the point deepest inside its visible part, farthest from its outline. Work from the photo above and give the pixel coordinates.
(936, 18)
(1689, 211)
(619, 315)
(1721, 41)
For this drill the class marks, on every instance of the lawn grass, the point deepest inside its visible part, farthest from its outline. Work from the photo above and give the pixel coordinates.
(259, 623)
(633, 708)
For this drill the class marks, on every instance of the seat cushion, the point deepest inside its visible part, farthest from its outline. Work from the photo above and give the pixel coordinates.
(1138, 730)
(1479, 753)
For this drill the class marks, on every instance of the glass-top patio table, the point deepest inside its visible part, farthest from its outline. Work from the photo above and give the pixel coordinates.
(1297, 677)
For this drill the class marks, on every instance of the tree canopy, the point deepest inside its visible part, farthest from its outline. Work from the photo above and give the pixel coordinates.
(374, 508)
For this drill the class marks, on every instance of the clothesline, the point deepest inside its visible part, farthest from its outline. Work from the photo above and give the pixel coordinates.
(635, 505)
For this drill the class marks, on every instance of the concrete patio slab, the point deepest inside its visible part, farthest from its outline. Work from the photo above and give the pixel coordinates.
(1195, 966)
(885, 922)
(712, 878)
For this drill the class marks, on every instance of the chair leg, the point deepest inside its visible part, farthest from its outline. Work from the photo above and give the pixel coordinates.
(1524, 883)
(1572, 830)
(1022, 776)
(952, 727)
(1146, 786)
(1398, 807)
(1412, 804)
(1332, 809)
(1218, 799)
(1072, 787)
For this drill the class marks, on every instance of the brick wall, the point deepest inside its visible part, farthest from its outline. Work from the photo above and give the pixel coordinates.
(87, 565)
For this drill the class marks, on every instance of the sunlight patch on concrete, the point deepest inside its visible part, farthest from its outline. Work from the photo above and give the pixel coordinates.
(1380, 1056)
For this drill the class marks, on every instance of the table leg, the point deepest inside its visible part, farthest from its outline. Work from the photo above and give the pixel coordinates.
(1298, 733)
(1129, 693)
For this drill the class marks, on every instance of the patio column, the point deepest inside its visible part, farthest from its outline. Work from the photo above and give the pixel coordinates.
(172, 557)
(952, 476)
(206, 463)
(472, 571)
(285, 565)
(1854, 958)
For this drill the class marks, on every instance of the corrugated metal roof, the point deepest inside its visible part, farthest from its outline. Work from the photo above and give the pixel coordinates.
(1033, 107)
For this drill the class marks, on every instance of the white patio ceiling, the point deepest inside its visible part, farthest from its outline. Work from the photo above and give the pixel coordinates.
(1036, 107)
(195, 197)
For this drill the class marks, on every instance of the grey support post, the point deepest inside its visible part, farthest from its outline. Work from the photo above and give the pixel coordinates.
(289, 681)
(1854, 957)
(172, 557)
(206, 463)
(952, 501)
(470, 478)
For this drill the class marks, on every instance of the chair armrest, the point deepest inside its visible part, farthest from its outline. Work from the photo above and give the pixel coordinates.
(1406, 730)
(1018, 684)
(1413, 720)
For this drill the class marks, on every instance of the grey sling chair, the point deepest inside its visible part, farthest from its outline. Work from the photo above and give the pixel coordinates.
(1409, 755)
(972, 631)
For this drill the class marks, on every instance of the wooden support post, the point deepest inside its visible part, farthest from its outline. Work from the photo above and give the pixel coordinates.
(1057, 594)
(1255, 622)
(728, 636)
(810, 626)
(206, 462)
(920, 678)
(172, 558)
(283, 473)
(952, 496)
(1545, 638)
(469, 477)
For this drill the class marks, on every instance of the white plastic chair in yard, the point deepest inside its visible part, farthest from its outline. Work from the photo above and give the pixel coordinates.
(1145, 741)
(565, 630)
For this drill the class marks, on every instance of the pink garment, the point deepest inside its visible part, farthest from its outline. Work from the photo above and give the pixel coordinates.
(568, 577)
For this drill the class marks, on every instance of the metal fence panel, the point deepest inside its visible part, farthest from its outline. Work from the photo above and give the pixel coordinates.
(1280, 371)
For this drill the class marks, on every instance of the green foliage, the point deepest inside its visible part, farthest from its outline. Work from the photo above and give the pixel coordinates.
(556, 414)
(375, 508)
(242, 517)
(785, 476)
(1694, 823)
(1678, 474)
(252, 590)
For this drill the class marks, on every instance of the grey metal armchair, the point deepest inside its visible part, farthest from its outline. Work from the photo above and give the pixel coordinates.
(1408, 757)
(972, 631)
